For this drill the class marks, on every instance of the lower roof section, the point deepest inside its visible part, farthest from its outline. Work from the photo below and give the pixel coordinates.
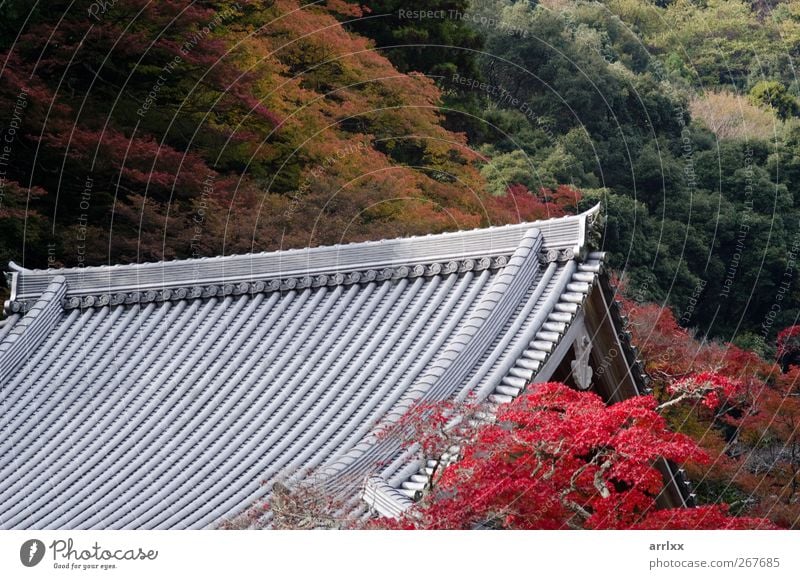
(179, 413)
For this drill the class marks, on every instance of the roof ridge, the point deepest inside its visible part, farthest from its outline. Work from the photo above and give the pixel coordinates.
(15, 267)
(292, 268)
(29, 331)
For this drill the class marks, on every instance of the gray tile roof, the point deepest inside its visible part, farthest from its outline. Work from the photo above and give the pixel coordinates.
(164, 395)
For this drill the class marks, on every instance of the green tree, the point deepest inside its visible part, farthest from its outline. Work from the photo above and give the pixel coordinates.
(774, 95)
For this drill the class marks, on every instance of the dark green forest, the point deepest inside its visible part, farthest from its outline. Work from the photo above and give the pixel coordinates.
(681, 117)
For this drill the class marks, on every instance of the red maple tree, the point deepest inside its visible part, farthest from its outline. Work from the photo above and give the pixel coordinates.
(556, 458)
(740, 409)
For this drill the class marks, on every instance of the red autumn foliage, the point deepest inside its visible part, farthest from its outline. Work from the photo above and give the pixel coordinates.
(788, 346)
(768, 448)
(710, 388)
(557, 458)
(747, 420)
(520, 204)
(231, 127)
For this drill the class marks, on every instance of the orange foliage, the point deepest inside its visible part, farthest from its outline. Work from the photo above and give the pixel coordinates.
(519, 204)
(275, 128)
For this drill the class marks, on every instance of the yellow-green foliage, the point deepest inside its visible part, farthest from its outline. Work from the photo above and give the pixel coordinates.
(732, 116)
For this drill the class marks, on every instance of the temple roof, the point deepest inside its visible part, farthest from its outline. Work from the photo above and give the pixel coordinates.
(165, 395)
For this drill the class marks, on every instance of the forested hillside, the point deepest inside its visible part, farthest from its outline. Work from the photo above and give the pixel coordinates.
(140, 131)
(137, 131)
(158, 130)
(679, 116)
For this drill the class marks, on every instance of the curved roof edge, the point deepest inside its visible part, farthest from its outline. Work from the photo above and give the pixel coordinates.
(295, 268)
